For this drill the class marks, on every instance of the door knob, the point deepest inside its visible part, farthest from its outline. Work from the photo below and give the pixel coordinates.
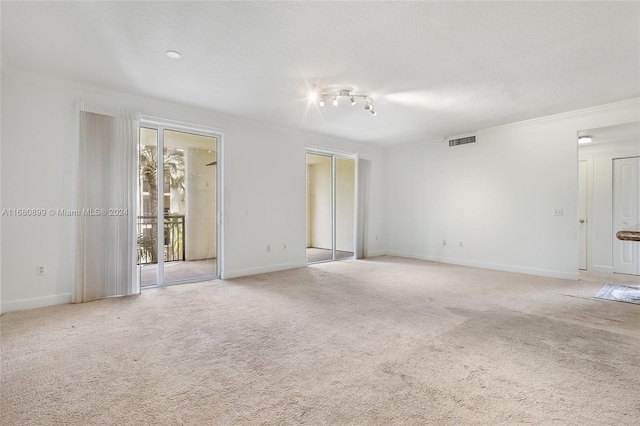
(581, 220)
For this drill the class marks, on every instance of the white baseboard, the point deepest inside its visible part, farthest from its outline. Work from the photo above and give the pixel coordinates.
(492, 266)
(60, 299)
(600, 268)
(262, 270)
(36, 302)
(411, 255)
(511, 268)
(375, 253)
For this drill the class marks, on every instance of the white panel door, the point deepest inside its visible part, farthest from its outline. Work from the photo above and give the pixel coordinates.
(582, 215)
(626, 186)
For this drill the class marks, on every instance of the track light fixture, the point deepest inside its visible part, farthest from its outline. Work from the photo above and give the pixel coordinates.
(324, 94)
(369, 107)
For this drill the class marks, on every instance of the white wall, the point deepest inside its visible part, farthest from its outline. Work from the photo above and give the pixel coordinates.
(497, 196)
(39, 169)
(600, 230)
(263, 185)
(1, 203)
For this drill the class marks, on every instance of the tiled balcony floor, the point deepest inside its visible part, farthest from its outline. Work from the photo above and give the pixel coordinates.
(179, 271)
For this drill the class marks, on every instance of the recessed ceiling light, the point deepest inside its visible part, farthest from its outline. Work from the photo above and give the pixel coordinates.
(584, 139)
(173, 54)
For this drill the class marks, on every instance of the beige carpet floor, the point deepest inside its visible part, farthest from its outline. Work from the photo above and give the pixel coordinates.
(374, 342)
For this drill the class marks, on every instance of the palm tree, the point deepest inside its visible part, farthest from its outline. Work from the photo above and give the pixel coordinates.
(174, 174)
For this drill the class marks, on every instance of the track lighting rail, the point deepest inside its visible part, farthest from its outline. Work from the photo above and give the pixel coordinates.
(324, 96)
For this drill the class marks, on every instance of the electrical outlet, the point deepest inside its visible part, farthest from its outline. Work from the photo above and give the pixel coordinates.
(268, 247)
(557, 212)
(41, 270)
(444, 242)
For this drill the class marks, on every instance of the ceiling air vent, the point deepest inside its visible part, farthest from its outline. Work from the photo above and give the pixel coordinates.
(462, 141)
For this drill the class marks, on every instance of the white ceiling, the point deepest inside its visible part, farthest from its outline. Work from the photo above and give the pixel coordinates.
(434, 69)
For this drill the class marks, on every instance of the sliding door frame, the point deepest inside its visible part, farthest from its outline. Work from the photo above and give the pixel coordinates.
(347, 156)
(160, 125)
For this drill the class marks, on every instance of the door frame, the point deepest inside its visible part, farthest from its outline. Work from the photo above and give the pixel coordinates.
(599, 157)
(584, 187)
(160, 124)
(618, 245)
(356, 204)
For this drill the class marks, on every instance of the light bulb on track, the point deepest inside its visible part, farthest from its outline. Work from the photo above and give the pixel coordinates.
(322, 95)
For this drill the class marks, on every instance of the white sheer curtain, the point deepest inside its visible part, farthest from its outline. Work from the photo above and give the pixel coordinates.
(107, 190)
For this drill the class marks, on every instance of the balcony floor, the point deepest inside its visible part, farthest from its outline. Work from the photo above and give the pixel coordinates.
(179, 271)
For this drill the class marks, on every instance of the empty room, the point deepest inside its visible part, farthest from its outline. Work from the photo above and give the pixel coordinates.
(320, 213)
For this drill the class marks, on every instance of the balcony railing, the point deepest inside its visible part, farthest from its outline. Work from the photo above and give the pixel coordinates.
(173, 247)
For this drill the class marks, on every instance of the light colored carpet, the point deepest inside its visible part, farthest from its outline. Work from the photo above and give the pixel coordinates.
(379, 341)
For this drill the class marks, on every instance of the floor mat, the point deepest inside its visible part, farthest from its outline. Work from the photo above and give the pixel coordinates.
(619, 293)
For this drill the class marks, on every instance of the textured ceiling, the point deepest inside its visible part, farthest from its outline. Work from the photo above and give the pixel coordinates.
(434, 69)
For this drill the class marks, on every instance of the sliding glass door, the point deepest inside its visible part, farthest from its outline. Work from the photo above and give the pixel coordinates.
(177, 208)
(344, 214)
(330, 207)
